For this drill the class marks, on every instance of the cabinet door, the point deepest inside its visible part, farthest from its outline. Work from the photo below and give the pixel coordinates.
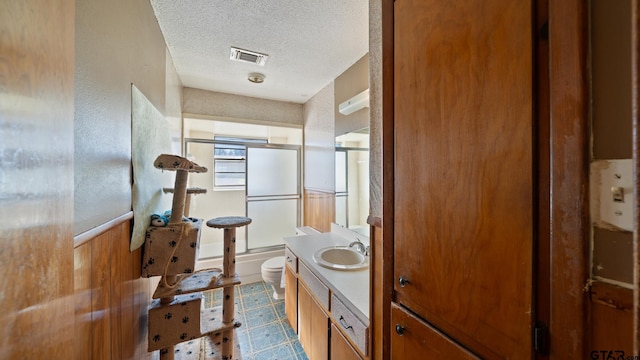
(291, 297)
(463, 179)
(313, 326)
(340, 348)
(304, 318)
(414, 339)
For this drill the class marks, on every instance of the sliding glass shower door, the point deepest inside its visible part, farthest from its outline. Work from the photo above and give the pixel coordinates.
(260, 181)
(273, 194)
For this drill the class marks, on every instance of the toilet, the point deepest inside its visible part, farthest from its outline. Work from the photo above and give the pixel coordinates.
(272, 274)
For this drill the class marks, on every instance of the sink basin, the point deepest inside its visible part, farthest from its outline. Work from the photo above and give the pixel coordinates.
(340, 258)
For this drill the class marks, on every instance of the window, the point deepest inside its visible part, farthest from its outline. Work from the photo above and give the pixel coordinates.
(229, 162)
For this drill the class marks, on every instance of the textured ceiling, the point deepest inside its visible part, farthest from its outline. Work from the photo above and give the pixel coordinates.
(309, 43)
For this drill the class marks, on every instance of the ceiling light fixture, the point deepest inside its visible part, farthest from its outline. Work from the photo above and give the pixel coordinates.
(359, 101)
(257, 78)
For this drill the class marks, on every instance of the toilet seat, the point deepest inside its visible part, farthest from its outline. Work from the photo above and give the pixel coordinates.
(274, 264)
(272, 273)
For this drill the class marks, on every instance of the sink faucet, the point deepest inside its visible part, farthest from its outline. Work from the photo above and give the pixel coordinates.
(359, 247)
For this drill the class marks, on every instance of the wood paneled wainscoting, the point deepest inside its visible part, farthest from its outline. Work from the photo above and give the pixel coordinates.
(319, 209)
(111, 297)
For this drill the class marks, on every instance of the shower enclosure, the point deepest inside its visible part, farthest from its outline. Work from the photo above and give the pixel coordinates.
(251, 178)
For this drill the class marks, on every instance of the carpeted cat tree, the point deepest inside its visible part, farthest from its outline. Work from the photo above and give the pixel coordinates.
(176, 318)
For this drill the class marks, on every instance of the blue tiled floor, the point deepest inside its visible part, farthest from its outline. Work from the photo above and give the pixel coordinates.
(265, 332)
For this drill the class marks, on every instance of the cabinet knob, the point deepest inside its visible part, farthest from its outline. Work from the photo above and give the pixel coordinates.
(403, 281)
(399, 329)
(289, 259)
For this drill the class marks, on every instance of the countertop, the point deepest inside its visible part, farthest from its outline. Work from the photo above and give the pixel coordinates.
(351, 287)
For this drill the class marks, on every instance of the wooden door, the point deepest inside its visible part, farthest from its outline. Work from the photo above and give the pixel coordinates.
(291, 289)
(304, 318)
(463, 192)
(291, 297)
(412, 338)
(319, 333)
(340, 348)
(36, 179)
(313, 326)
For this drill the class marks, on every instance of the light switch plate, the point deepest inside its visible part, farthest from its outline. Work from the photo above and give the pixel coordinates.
(612, 181)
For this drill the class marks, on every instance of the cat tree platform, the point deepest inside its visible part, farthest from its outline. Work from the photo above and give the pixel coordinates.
(183, 319)
(198, 282)
(204, 349)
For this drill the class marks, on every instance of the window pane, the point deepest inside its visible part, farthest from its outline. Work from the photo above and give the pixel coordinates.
(229, 179)
(229, 166)
(229, 152)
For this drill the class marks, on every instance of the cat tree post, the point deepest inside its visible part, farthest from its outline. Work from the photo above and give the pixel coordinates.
(182, 167)
(229, 224)
(190, 192)
(177, 211)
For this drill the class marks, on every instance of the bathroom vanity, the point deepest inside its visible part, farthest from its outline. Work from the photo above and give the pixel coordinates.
(327, 307)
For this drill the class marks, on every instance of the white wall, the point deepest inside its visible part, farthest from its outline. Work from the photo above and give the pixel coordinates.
(117, 43)
(240, 107)
(213, 204)
(351, 82)
(375, 106)
(319, 141)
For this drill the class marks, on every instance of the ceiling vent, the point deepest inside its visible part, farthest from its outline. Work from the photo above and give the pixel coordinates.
(248, 56)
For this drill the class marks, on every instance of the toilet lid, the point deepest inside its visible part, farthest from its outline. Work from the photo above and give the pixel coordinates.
(274, 263)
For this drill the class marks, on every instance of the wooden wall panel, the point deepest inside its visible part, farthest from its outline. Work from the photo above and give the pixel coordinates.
(110, 297)
(384, 244)
(319, 209)
(126, 302)
(378, 293)
(542, 163)
(115, 294)
(611, 327)
(141, 301)
(569, 104)
(635, 103)
(100, 297)
(82, 290)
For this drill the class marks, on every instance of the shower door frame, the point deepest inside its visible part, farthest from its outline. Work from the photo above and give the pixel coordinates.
(297, 197)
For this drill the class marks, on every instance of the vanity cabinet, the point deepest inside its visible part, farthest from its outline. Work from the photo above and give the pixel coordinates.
(313, 325)
(327, 325)
(463, 212)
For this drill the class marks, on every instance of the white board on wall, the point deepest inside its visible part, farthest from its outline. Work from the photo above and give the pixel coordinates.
(150, 137)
